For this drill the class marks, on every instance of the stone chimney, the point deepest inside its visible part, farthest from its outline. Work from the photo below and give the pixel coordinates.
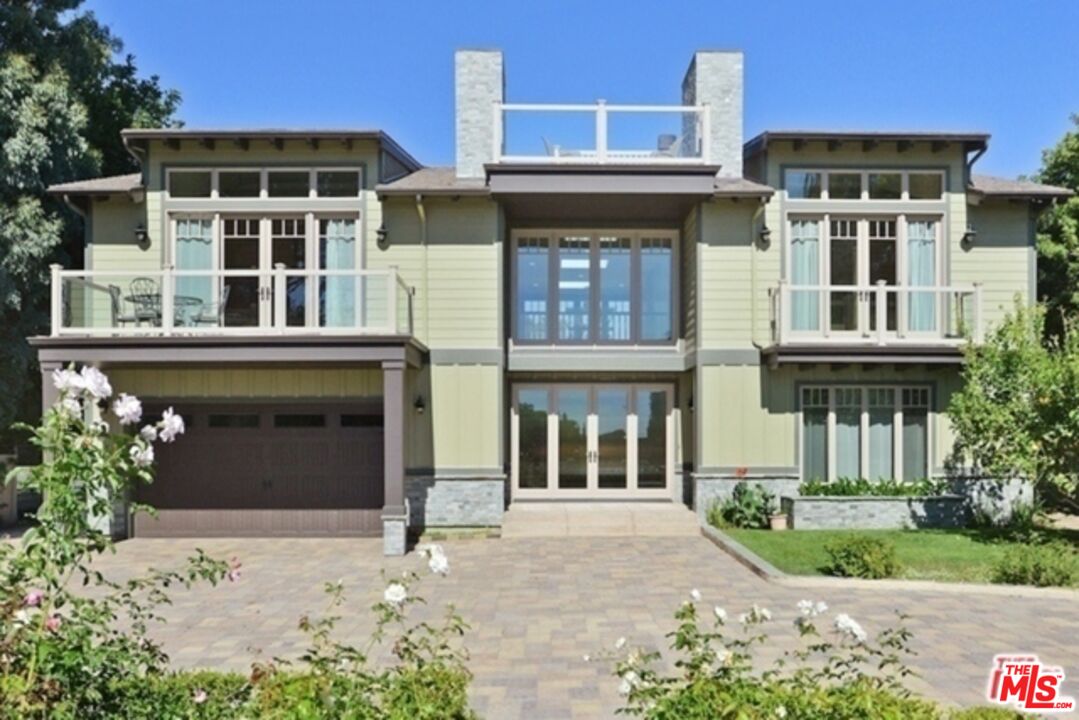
(478, 84)
(715, 78)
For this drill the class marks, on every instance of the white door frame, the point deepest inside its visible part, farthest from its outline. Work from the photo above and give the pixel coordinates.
(591, 491)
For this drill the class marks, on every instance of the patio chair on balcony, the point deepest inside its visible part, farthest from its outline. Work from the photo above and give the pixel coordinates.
(146, 295)
(116, 305)
(213, 313)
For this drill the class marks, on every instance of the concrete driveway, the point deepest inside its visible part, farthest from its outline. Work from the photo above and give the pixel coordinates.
(537, 605)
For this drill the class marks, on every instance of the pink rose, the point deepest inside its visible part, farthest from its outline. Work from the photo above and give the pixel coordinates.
(33, 598)
(52, 624)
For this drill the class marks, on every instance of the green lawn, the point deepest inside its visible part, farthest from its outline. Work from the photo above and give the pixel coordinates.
(955, 555)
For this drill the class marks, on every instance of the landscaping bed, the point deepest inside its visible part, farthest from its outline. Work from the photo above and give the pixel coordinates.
(958, 555)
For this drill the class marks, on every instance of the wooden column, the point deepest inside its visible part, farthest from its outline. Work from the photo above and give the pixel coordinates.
(394, 505)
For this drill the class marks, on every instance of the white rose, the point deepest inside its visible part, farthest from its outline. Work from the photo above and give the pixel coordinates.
(67, 381)
(171, 426)
(395, 594)
(148, 433)
(128, 409)
(142, 456)
(96, 383)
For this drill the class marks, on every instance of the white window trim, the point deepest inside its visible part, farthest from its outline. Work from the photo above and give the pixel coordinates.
(897, 426)
(264, 171)
(904, 195)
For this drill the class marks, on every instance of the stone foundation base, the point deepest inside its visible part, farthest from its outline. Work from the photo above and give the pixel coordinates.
(876, 513)
(455, 502)
(709, 491)
(395, 533)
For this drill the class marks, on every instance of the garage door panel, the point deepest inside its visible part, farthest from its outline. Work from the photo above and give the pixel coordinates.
(222, 478)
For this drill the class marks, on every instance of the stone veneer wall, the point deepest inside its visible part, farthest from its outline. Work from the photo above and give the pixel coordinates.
(711, 490)
(876, 513)
(455, 502)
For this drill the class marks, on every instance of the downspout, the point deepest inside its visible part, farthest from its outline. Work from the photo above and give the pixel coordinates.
(75, 208)
(753, 233)
(970, 165)
(136, 153)
(421, 211)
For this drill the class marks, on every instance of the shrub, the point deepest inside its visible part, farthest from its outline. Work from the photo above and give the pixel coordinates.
(748, 507)
(862, 556)
(847, 675)
(1042, 565)
(853, 487)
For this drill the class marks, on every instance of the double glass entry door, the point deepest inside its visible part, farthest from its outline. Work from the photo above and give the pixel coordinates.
(602, 440)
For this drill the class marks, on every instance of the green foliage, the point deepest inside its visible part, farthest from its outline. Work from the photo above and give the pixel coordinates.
(749, 506)
(1058, 234)
(862, 556)
(65, 94)
(885, 487)
(1016, 415)
(1042, 565)
(847, 675)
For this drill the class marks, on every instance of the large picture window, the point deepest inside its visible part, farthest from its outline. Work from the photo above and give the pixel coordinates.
(594, 287)
(873, 431)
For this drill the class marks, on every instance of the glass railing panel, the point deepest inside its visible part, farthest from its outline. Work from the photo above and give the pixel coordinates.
(104, 301)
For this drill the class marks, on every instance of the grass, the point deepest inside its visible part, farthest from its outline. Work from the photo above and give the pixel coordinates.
(951, 555)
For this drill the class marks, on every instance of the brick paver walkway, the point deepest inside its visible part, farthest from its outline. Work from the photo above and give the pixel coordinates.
(537, 605)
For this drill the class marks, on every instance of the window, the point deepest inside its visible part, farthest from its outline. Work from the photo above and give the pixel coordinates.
(338, 183)
(808, 184)
(885, 186)
(601, 287)
(874, 432)
(844, 186)
(288, 184)
(926, 186)
(222, 420)
(190, 184)
(299, 420)
(243, 183)
(360, 421)
(803, 185)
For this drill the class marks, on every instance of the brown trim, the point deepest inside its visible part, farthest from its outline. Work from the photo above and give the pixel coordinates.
(860, 354)
(235, 349)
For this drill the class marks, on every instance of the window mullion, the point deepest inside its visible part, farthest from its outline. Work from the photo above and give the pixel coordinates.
(831, 434)
(863, 433)
(897, 435)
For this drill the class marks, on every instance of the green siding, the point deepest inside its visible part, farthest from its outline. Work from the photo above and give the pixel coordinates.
(467, 410)
(727, 258)
(1001, 258)
(249, 382)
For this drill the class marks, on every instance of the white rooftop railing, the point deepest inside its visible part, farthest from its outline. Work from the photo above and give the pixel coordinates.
(615, 134)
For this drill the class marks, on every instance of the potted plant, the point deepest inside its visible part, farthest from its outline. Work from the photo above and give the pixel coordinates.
(777, 519)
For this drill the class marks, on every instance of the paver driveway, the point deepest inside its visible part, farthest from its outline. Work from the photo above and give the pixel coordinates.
(537, 605)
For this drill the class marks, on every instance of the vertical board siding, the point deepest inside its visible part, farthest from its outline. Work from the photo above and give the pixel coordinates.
(248, 382)
(467, 409)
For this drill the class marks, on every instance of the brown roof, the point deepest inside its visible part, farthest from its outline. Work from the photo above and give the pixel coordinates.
(1003, 187)
(760, 142)
(740, 187)
(99, 186)
(434, 181)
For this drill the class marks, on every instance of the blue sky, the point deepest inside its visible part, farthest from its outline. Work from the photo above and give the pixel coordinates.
(1007, 68)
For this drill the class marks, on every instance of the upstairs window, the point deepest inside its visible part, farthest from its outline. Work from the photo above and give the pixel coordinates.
(271, 182)
(593, 287)
(843, 184)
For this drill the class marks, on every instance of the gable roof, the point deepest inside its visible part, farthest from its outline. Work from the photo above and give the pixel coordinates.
(991, 186)
(111, 185)
(434, 181)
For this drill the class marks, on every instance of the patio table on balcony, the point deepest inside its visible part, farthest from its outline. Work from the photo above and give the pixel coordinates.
(184, 305)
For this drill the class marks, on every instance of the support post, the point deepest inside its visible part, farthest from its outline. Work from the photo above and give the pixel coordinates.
(56, 300)
(395, 506)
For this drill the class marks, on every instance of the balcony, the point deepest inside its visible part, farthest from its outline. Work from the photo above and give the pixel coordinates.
(880, 316)
(171, 303)
(601, 134)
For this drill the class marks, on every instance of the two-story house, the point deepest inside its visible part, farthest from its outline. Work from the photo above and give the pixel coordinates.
(595, 302)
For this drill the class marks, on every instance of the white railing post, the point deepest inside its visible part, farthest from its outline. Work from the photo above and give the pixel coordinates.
(391, 300)
(57, 302)
(168, 300)
(496, 131)
(601, 131)
(784, 324)
(882, 310)
(705, 124)
(280, 297)
(979, 329)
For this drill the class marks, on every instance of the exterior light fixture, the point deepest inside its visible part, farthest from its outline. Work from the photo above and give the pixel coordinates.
(969, 236)
(419, 404)
(382, 237)
(141, 236)
(765, 236)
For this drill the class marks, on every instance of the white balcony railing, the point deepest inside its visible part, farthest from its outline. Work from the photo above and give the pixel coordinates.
(601, 134)
(230, 302)
(878, 314)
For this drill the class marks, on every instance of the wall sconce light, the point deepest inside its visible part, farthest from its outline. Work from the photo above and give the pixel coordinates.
(689, 403)
(141, 236)
(765, 237)
(969, 236)
(419, 404)
(382, 237)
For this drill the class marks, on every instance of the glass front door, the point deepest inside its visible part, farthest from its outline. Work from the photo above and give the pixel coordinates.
(602, 440)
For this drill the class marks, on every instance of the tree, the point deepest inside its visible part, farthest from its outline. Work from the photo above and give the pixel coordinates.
(65, 94)
(1058, 234)
(1016, 414)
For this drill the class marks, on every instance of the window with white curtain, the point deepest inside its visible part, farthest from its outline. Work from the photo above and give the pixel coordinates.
(872, 431)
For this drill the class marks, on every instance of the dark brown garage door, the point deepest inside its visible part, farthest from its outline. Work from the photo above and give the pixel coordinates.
(268, 471)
